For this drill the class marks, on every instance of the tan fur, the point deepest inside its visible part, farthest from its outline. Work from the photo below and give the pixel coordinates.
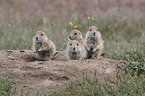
(93, 42)
(76, 35)
(75, 54)
(44, 47)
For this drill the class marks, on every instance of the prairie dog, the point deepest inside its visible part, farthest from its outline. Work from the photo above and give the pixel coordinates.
(76, 35)
(44, 47)
(75, 50)
(93, 43)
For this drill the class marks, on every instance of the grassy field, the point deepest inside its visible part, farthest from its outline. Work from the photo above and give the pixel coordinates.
(121, 23)
(122, 27)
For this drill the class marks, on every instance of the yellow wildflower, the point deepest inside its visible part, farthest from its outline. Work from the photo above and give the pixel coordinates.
(62, 3)
(103, 41)
(75, 26)
(71, 23)
(92, 18)
(89, 18)
(44, 20)
(116, 8)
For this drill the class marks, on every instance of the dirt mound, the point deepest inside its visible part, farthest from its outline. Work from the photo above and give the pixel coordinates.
(28, 74)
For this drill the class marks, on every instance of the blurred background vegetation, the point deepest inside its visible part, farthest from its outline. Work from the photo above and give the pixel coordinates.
(121, 22)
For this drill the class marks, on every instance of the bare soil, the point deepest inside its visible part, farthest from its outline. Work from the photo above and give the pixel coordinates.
(29, 74)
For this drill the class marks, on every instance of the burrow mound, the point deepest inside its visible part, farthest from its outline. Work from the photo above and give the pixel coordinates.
(29, 55)
(27, 73)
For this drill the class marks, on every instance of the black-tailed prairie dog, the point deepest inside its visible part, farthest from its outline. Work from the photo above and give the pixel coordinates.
(76, 35)
(93, 43)
(75, 50)
(44, 47)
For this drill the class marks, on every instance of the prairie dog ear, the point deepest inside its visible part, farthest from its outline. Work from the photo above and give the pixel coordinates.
(69, 38)
(34, 38)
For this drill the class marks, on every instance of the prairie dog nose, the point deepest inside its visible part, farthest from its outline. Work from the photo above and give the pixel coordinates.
(37, 38)
(94, 33)
(74, 49)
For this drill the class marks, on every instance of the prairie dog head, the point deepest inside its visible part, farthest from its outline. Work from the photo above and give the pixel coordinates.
(74, 46)
(40, 37)
(75, 35)
(94, 32)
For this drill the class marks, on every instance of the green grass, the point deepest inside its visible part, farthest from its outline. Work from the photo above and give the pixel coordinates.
(123, 86)
(126, 86)
(6, 87)
(135, 62)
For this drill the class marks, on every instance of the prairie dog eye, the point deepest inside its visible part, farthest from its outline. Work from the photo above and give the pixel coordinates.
(77, 44)
(90, 29)
(41, 34)
(70, 37)
(70, 44)
(75, 34)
